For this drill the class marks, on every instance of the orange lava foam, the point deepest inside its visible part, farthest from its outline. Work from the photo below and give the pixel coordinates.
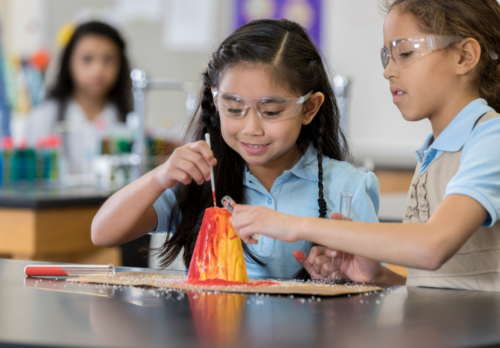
(225, 283)
(218, 254)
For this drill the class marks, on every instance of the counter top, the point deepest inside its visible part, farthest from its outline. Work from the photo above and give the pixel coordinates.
(51, 197)
(56, 313)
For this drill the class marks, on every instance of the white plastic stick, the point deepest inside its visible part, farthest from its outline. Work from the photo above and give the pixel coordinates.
(212, 181)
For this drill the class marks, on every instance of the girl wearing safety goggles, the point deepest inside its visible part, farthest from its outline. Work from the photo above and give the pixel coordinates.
(441, 60)
(268, 105)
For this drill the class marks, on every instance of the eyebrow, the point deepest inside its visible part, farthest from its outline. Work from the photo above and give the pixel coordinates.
(234, 97)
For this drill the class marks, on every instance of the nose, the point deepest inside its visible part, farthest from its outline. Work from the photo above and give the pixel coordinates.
(390, 71)
(253, 123)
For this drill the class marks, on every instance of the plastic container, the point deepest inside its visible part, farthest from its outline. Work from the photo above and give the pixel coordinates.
(48, 157)
(7, 160)
(63, 270)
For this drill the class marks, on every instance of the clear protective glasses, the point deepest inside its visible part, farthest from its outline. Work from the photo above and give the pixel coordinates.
(407, 51)
(269, 109)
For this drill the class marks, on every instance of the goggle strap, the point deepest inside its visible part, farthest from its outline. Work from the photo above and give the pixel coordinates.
(304, 98)
(492, 54)
(435, 42)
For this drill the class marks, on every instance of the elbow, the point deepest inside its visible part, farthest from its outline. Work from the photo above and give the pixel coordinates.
(432, 263)
(433, 256)
(98, 236)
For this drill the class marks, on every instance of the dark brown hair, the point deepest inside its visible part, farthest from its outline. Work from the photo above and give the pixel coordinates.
(120, 94)
(477, 19)
(285, 48)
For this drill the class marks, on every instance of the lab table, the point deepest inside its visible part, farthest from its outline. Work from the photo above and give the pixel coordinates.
(56, 313)
(52, 224)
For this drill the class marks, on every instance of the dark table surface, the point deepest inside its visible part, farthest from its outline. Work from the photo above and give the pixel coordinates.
(52, 313)
(36, 197)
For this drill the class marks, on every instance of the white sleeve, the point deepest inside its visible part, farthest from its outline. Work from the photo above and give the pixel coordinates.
(41, 122)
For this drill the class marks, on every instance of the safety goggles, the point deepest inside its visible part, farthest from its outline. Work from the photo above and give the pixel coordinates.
(269, 109)
(407, 51)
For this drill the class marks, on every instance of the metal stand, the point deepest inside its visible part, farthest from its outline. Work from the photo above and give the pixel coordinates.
(140, 84)
(341, 89)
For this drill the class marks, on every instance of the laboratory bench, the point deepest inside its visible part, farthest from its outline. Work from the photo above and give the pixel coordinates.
(46, 223)
(56, 313)
(52, 224)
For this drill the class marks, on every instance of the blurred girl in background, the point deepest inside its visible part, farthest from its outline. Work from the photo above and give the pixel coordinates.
(92, 93)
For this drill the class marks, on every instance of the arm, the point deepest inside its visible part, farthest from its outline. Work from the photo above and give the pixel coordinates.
(129, 213)
(425, 246)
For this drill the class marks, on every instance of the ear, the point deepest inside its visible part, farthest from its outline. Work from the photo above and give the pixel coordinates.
(470, 53)
(311, 107)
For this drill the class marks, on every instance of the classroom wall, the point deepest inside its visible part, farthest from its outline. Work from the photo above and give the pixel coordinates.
(376, 129)
(352, 42)
(145, 46)
(146, 51)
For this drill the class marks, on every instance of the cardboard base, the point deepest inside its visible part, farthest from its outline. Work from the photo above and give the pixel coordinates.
(171, 281)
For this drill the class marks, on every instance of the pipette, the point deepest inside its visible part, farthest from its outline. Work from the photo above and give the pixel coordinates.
(345, 211)
(207, 139)
(68, 270)
(228, 203)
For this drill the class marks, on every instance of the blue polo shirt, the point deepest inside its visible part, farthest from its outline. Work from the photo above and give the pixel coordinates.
(479, 173)
(295, 192)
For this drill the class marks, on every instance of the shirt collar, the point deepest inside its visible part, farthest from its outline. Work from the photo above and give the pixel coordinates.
(108, 112)
(420, 153)
(306, 168)
(453, 138)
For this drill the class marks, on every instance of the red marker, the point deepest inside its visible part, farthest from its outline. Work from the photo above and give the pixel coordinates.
(68, 270)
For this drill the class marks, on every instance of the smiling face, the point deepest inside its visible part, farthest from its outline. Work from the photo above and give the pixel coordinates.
(261, 143)
(419, 90)
(95, 64)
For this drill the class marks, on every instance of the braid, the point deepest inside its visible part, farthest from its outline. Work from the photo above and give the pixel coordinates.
(207, 105)
(210, 123)
(321, 199)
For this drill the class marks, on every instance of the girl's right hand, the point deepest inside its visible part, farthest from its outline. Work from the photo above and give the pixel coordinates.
(187, 163)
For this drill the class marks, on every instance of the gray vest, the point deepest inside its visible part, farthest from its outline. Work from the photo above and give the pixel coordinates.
(476, 266)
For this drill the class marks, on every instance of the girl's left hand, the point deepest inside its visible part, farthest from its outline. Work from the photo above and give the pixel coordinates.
(354, 268)
(248, 220)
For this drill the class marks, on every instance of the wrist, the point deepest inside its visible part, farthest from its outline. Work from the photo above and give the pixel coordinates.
(153, 182)
(300, 225)
(380, 276)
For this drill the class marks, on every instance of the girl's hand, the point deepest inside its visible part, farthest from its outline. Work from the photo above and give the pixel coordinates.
(248, 220)
(317, 264)
(354, 268)
(187, 163)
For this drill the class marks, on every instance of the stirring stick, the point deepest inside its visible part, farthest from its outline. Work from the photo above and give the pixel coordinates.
(207, 139)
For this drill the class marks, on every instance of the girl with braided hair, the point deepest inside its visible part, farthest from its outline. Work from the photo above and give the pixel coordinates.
(441, 58)
(273, 121)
